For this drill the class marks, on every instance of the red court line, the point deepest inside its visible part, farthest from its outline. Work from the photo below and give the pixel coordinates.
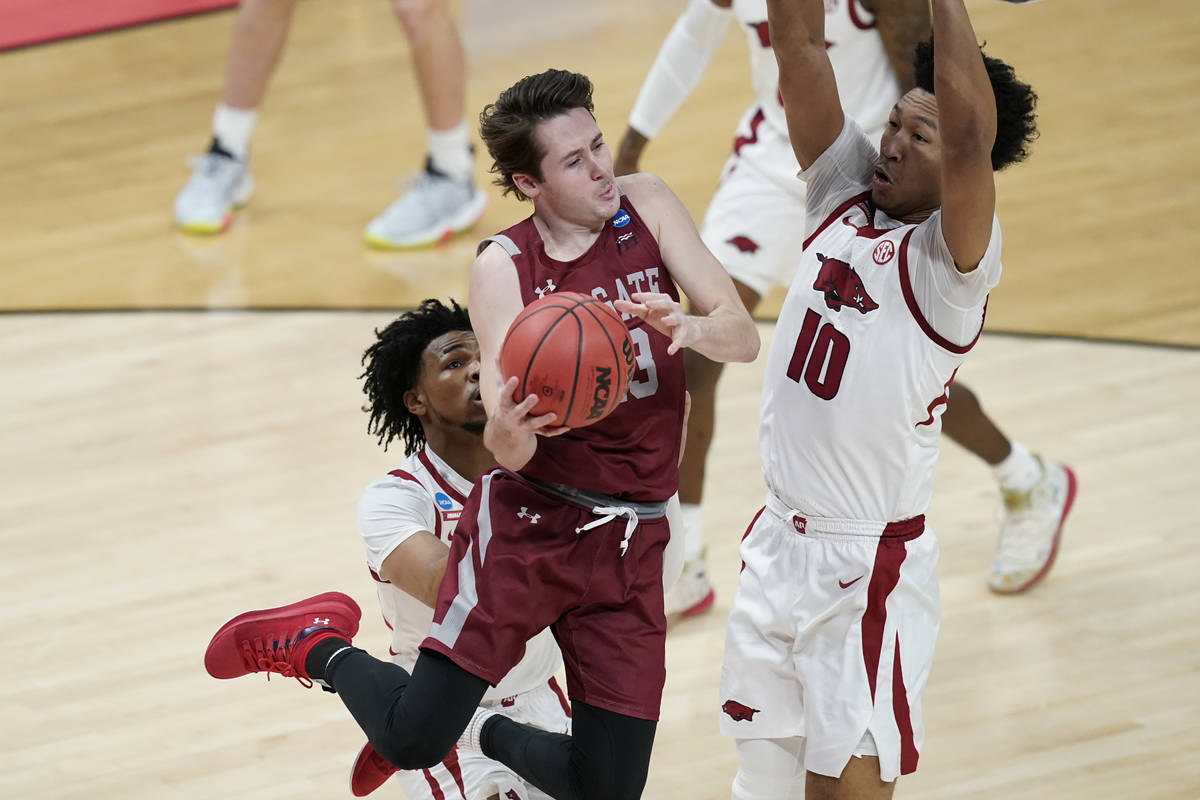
(26, 22)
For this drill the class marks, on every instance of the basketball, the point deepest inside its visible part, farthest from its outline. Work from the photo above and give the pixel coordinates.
(574, 353)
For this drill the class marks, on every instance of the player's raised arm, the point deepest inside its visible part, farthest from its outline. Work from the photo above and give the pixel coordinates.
(719, 327)
(495, 301)
(806, 82)
(901, 25)
(967, 128)
(677, 68)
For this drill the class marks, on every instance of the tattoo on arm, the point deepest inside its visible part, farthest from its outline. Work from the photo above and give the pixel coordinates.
(902, 24)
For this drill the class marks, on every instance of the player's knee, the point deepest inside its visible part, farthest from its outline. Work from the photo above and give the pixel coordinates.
(756, 784)
(417, 752)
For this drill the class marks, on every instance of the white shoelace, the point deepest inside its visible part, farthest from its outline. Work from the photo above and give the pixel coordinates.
(608, 514)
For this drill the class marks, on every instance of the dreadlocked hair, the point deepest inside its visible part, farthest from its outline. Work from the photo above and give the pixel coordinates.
(1016, 104)
(392, 365)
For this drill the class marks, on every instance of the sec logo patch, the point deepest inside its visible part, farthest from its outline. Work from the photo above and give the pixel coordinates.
(883, 252)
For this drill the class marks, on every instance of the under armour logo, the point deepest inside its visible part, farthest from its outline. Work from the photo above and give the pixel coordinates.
(319, 621)
(541, 292)
(533, 518)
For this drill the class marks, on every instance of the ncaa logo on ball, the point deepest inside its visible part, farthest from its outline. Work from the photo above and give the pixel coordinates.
(601, 392)
(883, 252)
(443, 502)
(620, 219)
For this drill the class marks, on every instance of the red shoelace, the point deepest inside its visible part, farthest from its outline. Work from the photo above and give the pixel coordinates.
(278, 659)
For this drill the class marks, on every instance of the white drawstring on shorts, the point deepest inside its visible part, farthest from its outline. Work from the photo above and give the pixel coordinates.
(608, 514)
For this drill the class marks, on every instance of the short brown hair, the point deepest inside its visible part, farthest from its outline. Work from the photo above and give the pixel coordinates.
(508, 126)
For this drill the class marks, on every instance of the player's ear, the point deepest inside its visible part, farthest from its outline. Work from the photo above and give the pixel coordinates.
(414, 401)
(526, 183)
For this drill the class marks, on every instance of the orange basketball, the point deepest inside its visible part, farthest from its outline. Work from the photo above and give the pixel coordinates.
(574, 353)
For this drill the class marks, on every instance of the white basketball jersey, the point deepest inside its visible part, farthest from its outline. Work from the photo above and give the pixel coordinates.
(425, 494)
(865, 80)
(857, 374)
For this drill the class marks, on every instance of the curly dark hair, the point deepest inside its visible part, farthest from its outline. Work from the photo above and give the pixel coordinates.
(1016, 104)
(508, 125)
(392, 366)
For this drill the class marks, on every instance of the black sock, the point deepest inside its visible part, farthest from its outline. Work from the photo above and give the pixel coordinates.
(318, 658)
(217, 149)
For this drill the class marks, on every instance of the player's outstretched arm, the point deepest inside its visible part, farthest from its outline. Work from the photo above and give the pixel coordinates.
(806, 82)
(718, 327)
(417, 566)
(902, 24)
(677, 68)
(967, 128)
(511, 433)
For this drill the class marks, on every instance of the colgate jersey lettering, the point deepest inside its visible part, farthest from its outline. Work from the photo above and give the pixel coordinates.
(642, 280)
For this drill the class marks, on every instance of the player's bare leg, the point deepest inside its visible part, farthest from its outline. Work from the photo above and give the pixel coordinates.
(221, 180)
(260, 31)
(444, 200)
(859, 781)
(438, 59)
(693, 592)
(1038, 494)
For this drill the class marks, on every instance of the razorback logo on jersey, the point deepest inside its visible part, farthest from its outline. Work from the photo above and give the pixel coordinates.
(744, 244)
(738, 712)
(842, 286)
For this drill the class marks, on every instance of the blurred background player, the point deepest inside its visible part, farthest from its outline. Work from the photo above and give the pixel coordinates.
(751, 225)
(421, 379)
(444, 198)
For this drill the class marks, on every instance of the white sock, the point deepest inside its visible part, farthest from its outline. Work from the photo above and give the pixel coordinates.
(469, 740)
(693, 531)
(233, 127)
(1020, 471)
(451, 152)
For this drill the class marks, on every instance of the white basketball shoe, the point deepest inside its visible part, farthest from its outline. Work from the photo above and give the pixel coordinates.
(693, 593)
(432, 211)
(219, 184)
(1032, 529)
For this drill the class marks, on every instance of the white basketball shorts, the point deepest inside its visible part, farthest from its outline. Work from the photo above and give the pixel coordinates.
(754, 224)
(831, 636)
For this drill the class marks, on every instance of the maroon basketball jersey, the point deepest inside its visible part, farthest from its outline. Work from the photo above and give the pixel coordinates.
(634, 452)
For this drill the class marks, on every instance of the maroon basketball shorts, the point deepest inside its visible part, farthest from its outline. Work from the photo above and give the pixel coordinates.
(523, 559)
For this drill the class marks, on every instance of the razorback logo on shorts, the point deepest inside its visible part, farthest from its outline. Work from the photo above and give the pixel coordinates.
(744, 243)
(842, 286)
(738, 712)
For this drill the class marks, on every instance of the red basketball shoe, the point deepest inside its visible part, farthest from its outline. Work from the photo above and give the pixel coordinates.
(370, 771)
(278, 639)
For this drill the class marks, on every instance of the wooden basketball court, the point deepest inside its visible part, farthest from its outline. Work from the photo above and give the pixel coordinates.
(183, 438)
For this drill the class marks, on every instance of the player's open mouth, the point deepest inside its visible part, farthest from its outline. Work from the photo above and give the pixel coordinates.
(608, 193)
(476, 398)
(881, 178)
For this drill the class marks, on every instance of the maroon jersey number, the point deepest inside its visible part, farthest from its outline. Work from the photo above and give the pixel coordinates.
(820, 356)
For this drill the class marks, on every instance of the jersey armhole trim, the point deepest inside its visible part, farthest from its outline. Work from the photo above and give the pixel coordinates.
(911, 301)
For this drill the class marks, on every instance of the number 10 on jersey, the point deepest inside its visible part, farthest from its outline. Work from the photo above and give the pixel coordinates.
(820, 357)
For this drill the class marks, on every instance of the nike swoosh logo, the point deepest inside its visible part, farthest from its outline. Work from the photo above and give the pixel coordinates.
(850, 583)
